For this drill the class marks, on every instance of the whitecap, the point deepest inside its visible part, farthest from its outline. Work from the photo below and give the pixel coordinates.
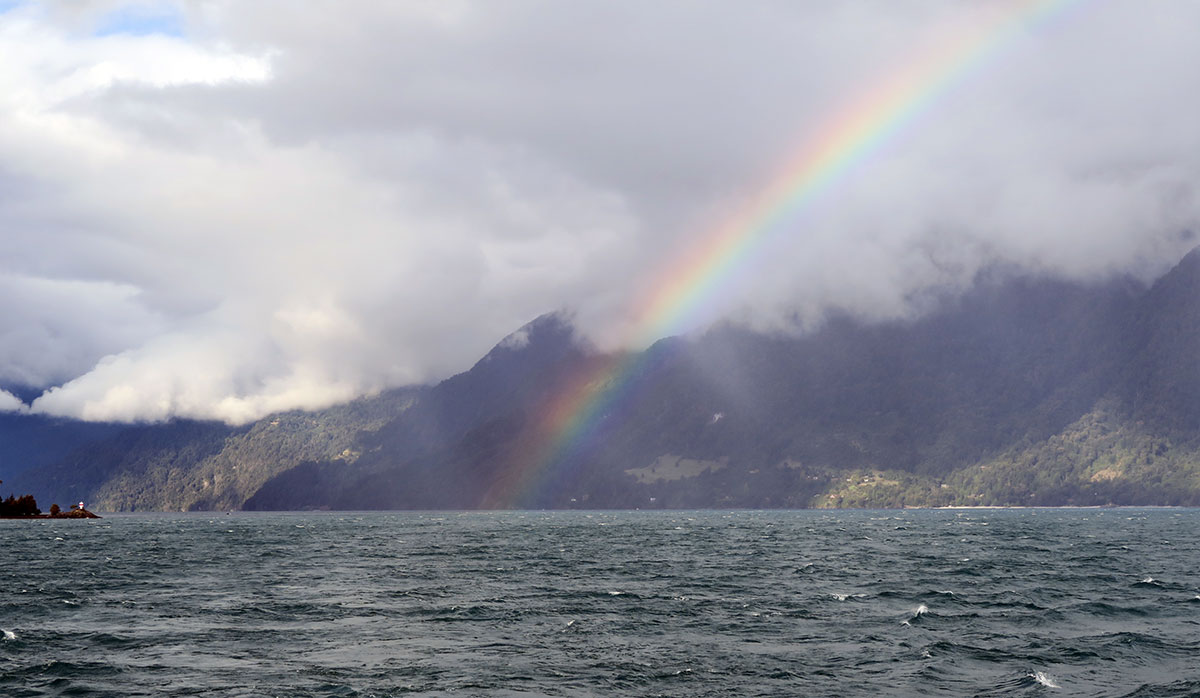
(843, 597)
(616, 593)
(917, 613)
(9, 635)
(1148, 580)
(1044, 679)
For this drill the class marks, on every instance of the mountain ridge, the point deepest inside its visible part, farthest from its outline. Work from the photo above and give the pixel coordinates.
(1021, 390)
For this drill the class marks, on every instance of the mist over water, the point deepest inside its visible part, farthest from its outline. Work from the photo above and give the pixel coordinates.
(1007, 602)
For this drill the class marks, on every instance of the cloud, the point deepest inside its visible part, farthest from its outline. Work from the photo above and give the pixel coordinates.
(219, 209)
(10, 402)
(56, 327)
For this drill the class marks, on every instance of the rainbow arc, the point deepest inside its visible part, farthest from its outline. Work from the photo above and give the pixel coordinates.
(568, 422)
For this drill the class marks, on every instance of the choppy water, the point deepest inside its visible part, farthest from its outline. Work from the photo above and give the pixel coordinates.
(1021, 602)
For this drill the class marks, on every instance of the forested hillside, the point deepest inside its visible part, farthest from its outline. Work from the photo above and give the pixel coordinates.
(186, 465)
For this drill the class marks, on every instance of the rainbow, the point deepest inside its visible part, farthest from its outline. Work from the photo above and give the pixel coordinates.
(569, 421)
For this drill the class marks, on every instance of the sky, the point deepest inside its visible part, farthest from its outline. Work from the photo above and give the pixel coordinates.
(218, 209)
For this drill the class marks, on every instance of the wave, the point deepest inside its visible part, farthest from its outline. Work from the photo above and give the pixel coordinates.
(1044, 679)
(1149, 582)
(1106, 609)
(917, 613)
(1020, 684)
(1177, 689)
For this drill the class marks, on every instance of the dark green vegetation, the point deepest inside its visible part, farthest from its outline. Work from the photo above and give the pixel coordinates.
(14, 506)
(1024, 391)
(25, 505)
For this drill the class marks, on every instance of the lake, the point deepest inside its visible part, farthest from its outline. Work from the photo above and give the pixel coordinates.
(1098, 602)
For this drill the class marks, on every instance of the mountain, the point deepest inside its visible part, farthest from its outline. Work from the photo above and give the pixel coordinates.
(1024, 390)
(29, 442)
(187, 465)
(943, 409)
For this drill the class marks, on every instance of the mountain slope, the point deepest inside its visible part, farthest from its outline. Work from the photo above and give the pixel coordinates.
(30, 442)
(734, 418)
(1022, 391)
(186, 465)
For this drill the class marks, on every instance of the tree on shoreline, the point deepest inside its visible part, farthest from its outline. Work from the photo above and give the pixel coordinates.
(25, 505)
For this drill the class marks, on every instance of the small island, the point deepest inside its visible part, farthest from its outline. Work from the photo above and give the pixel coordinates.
(26, 507)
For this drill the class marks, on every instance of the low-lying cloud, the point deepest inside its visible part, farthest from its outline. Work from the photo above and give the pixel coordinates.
(220, 210)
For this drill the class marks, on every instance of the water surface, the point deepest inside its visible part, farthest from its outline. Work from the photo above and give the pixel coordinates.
(987, 602)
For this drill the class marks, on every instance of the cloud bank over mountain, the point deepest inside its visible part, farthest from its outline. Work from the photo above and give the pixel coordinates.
(220, 209)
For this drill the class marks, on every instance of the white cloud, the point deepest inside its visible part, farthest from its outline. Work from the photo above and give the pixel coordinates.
(289, 205)
(10, 402)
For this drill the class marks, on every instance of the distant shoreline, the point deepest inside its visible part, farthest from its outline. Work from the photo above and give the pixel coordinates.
(84, 515)
(254, 512)
(1063, 506)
